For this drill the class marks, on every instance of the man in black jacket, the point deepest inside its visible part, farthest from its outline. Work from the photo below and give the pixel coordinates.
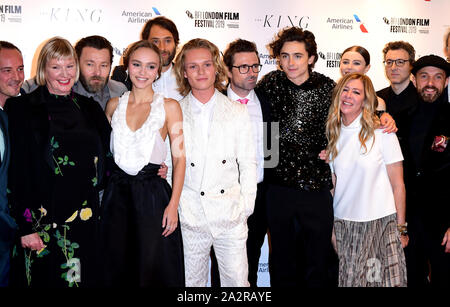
(11, 80)
(427, 175)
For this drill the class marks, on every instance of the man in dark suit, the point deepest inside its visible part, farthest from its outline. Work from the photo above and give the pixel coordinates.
(401, 95)
(243, 65)
(11, 79)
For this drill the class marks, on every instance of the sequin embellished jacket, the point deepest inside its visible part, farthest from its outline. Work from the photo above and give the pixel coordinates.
(301, 111)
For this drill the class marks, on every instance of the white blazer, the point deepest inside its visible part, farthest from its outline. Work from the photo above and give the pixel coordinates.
(220, 187)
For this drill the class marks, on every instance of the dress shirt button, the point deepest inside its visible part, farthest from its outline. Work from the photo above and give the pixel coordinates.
(224, 161)
(192, 164)
(202, 193)
(222, 191)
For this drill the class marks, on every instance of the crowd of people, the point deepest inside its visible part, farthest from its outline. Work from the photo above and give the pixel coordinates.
(183, 156)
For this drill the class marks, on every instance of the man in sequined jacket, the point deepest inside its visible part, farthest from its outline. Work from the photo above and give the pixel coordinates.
(300, 209)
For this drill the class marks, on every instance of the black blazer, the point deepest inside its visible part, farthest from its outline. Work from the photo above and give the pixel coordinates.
(7, 223)
(31, 171)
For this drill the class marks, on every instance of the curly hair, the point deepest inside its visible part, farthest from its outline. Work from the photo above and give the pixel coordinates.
(369, 121)
(294, 34)
(179, 67)
(401, 45)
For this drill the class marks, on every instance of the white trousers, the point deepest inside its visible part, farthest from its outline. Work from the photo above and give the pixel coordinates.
(231, 253)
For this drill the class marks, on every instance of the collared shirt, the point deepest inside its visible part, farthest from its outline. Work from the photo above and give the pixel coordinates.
(255, 112)
(111, 90)
(167, 85)
(203, 115)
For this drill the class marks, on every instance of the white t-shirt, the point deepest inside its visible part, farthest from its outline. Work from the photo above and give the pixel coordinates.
(363, 191)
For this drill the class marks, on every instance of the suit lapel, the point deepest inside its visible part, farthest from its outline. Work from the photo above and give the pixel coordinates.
(4, 128)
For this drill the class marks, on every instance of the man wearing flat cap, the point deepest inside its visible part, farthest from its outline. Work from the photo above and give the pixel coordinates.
(427, 176)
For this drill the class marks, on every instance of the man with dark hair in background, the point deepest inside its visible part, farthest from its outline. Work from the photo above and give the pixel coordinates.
(400, 96)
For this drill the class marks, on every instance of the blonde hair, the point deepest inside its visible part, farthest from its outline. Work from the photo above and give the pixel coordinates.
(197, 43)
(369, 121)
(55, 48)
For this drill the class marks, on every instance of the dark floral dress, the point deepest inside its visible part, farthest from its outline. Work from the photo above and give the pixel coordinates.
(65, 212)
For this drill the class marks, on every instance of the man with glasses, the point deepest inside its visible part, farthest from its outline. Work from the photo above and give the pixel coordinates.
(243, 66)
(400, 96)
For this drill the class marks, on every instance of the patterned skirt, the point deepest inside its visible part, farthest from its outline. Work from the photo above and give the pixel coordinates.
(370, 253)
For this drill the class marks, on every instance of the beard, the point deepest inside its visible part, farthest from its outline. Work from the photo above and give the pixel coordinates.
(430, 97)
(93, 88)
(171, 56)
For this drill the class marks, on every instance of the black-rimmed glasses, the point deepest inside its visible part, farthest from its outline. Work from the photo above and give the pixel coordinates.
(243, 69)
(398, 62)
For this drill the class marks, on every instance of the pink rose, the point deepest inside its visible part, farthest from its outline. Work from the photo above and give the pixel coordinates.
(27, 215)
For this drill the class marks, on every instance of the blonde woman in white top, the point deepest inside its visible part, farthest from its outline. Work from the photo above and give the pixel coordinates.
(369, 194)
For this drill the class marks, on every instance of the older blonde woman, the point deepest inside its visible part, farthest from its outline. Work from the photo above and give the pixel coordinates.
(59, 143)
(369, 194)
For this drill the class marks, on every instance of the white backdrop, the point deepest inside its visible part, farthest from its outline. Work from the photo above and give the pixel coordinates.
(336, 25)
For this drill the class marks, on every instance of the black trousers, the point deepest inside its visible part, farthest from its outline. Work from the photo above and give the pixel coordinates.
(426, 261)
(300, 226)
(257, 230)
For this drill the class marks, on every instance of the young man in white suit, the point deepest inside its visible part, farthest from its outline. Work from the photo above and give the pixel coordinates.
(220, 184)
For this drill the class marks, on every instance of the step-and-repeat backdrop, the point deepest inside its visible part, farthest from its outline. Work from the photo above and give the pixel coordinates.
(336, 25)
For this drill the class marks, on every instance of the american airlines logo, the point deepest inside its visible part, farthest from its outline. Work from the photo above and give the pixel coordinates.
(361, 25)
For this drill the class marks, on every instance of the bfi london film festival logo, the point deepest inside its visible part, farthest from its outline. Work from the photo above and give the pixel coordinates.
(217, 20)
(345, 23)
(408, 25)
(140, 16)
(281, 21)
(73, 15)
(332, 59)
(10, 13)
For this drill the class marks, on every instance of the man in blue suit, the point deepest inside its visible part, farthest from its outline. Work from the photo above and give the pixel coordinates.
(11, 79)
